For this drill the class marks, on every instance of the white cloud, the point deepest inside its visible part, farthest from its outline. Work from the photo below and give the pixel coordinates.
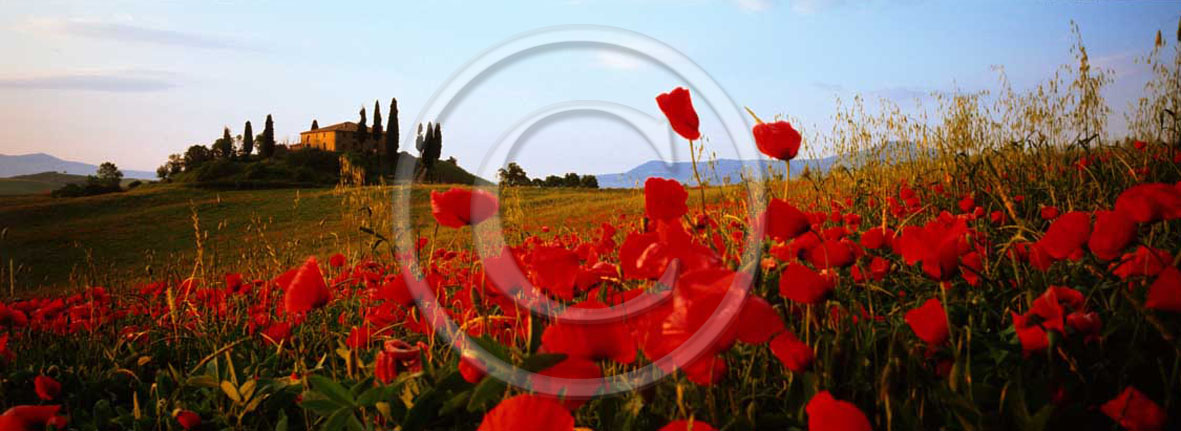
(754, 5)
(618, 60)
(124, 31)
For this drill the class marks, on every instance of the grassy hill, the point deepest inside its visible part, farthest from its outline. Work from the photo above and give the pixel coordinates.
(42, 183)
(151, 232)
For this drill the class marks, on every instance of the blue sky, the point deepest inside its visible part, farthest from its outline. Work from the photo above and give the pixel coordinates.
(132, 82)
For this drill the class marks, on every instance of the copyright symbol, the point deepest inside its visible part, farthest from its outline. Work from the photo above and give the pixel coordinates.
(490, 240)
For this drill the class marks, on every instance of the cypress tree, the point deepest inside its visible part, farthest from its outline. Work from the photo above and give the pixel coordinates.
(437, 143)
(247, 140)
(315, 125)
(266, 148)
(391, 133)
(224, 148)
(362, 129)
(420, 141)
(376, 125)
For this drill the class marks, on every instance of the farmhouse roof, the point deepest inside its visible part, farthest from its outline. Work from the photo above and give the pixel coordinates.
(347, 126)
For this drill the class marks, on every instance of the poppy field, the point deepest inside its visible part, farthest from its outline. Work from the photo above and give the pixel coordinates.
(998, 264)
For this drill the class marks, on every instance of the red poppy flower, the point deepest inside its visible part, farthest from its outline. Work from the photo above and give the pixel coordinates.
(1067, 235)
(336, 260)
(678, 107)
(554, 270)
(470, 368)
(830, 254)
(804, 285)
(830, 414)
(876, 237)
(1032, 337)
(784, 221)
(793, 353)
(359, 337)
(1113, 232)
(777, 140)
(1050, 212)
(1140, 145)
(687, 425)
(1135, 411)
(527, 412)
(1147, 203)
(47, 388)
(396, 356)
(188, 420)
(664, 199)
(929, 322)
(32, 418)
(307, 289)
(595, 341)
(570, 368)
(1146, 261)
(1165, 292)
(459, 207)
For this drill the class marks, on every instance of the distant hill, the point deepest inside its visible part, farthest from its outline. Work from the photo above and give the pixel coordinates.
(717, 173)
(28, 164)
(40, 183)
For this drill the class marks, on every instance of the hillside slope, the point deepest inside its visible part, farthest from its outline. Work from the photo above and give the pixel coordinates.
(26, 164)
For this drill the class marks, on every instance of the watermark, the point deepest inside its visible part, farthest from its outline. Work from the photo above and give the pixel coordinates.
(707, 93)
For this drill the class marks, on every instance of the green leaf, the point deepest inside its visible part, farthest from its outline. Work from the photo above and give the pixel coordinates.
(203, 381)
(541, 361)
(321, 406)
(331, 389)
(282, 424)
(361, 386)
(491, 346)
(371, 396)
(453, 404)
(425, 408)
(338, 420)
(487, 391)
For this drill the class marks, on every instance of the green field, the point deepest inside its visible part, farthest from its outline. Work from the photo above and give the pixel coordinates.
(150, 233)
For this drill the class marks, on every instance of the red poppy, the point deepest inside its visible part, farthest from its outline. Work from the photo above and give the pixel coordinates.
(826, 413)
(804, 285)
(784, 221)
(929, 322)
(877, 237)
(1032, 337)
(336, 260)
(47, 388)
(570, 368)
(664, 199)
(1135, 411)
(1113, 232)
(830, 254)
(678, 107)
(527, 412)
(1050, 212)
(1067, 235)
(777, 140)
(459, 207)
(359, 337)
(188, 420)
(32, 418)
(1165, 292)
(1147, 203)
(307, 290)
(470, 368)
(793, 353)
(396, 356)
(595, 341)
(1140, 145)
(1145, 261)
(687, 425)
(554, 270)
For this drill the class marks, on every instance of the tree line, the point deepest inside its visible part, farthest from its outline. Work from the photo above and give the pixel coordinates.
(378, 143)
(514, 175)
